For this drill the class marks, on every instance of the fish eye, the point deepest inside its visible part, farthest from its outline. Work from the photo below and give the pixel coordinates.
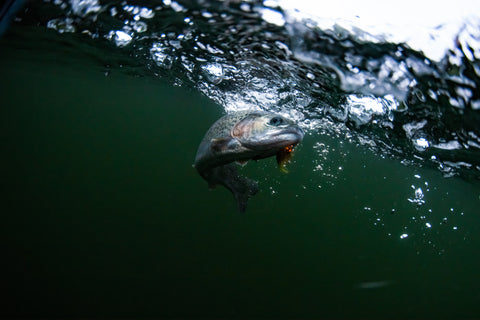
(276, 121)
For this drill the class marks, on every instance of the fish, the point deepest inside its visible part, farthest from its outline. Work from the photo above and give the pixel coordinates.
(238, 137)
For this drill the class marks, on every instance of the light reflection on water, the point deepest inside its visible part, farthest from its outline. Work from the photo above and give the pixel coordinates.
(339, 82)
(286, 61)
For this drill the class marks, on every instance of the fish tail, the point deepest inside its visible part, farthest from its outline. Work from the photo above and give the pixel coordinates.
(242, 187)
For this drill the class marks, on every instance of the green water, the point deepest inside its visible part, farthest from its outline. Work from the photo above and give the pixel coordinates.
(104, 216)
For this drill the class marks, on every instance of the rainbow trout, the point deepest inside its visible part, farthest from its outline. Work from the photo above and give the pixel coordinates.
(238, 137)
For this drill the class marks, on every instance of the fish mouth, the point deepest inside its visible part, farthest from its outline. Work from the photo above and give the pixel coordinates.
(276, 141)
(290, 137)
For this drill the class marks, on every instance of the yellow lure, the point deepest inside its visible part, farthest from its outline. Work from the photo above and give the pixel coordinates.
(283, 157)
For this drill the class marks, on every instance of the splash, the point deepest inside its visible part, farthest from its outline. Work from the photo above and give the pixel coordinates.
(413, 99)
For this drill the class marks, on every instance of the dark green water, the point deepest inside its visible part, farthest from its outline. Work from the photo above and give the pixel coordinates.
(104, 216)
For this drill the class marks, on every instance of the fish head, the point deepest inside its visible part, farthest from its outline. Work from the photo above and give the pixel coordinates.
(267, 133)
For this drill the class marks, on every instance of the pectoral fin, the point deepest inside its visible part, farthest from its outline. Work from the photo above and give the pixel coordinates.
(242, 162)
(220, 144)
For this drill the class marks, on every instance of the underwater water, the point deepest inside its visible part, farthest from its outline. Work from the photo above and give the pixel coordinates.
(104, 104)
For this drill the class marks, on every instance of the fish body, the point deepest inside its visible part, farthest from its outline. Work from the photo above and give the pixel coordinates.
(239, 137)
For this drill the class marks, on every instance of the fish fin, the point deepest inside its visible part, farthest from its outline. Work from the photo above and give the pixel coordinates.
(242, 162)
(242, 187)
(245, 189)
(222, 144)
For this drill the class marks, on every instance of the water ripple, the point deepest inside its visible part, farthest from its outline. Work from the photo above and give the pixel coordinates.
(338, 79)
